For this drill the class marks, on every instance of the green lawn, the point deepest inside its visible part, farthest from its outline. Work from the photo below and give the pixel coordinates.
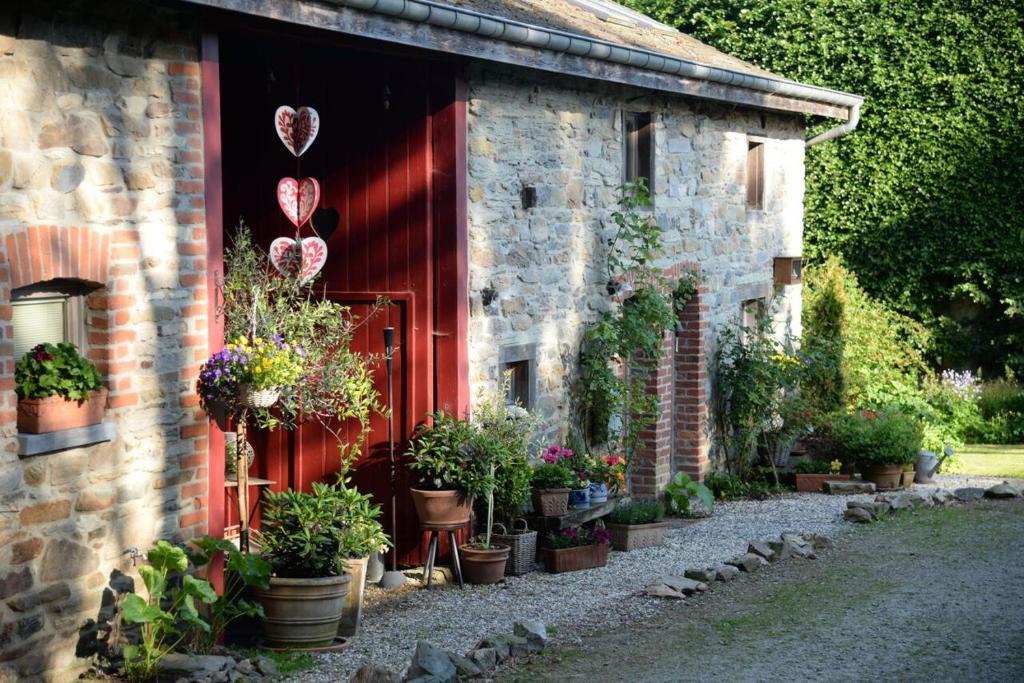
(992, 461)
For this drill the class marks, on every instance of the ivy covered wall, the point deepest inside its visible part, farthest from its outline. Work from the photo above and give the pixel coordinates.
(925, 201)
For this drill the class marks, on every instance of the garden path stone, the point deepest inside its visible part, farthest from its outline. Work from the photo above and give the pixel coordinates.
(859, 515)
(683, 585)
(178, 665)
(969, 494)
(374, 674)
(703, 575)
(535, 632)
(761, 548)
(660, 590)
(464, 667)
(484, 657)
(944, 497)
(1004, 490)
(848, 488)
(429, 660)
(748, 562)
(726, 572)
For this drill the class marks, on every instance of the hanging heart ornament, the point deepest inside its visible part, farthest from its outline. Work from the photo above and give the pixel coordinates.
(297, 128)
(304, 258)
(298, 199)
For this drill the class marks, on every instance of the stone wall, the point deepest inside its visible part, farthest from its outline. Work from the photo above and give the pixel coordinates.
(546, 264)
(101, 181)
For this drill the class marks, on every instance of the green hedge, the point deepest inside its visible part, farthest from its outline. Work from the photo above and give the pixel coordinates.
(924, 201)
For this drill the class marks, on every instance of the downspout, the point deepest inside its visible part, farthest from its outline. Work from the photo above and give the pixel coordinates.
(840, 130)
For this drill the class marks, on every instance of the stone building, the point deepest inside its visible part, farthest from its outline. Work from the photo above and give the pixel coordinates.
(472, 152)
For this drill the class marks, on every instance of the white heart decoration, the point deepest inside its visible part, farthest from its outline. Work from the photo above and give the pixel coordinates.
(297, 128)
(297, 199)
(305, 257)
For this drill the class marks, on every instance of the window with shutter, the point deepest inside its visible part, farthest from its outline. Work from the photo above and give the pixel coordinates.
(50, 312)
(638, 148)
(755, 175)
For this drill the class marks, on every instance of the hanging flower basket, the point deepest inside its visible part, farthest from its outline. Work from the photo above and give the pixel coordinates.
(260, 398)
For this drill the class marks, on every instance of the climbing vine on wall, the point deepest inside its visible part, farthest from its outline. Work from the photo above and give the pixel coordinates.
(622, 347)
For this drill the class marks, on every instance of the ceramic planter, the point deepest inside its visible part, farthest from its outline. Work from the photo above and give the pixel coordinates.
(884, 477)
(813, 483)
(598, 494)
(557, 561)
(441, 509)
(352, 611)
(483, 566)
(634, 536)
(579, 499)
(551, 502)
(302, 614)
(54, 413)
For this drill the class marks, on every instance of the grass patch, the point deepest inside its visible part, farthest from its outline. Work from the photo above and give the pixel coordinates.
(992, 461)
(288, 662)
(841, 586)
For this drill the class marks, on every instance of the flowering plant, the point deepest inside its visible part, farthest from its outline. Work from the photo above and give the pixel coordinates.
(260, 363)
(55, 370)
(610, 470)
(835, 466)
(576, 536)
(579, 464)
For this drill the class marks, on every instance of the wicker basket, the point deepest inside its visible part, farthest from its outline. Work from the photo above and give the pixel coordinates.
(259, 398)
(523, 543)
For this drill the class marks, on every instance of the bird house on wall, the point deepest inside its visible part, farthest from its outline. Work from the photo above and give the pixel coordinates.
(788, 270)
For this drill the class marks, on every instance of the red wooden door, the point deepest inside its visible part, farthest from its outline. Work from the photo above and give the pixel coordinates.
(372, 158)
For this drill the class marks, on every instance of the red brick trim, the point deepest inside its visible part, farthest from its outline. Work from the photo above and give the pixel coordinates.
(41, 253)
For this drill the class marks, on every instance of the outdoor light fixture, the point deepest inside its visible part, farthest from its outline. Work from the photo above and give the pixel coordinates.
(788, 270)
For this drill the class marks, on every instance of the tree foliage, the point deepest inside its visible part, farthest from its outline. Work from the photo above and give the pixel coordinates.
(924, 200)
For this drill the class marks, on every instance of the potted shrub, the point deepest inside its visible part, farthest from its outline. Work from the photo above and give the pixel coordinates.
(574, 548)
(512, 489)
(483, 561)
(303, 539)
(812, 474)
(880, 443)
(363, 536)
(442, 456)
(57, 389)
(637, 525)
(551, 482)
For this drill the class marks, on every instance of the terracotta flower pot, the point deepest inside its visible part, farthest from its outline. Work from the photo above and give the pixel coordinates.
(635, 536)
(54, 413)
(813, 483)
(907, 479)
(884, 477)
(551, 502)
(483, 566)
(557, 561)
(302, 613)
(441, 509)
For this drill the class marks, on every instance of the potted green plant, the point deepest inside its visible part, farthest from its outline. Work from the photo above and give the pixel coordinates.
(551, 482)
(441, 454)
(880, 443)
(57, 389)
(574, 548)
(811, 474)
(363, 535)
(637, 525)
(303, 539)
(483, 561)
(607, 475)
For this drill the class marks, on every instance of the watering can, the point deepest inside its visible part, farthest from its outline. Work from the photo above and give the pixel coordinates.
(928, 463)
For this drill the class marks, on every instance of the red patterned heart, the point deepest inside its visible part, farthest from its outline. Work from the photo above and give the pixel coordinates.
(297, 199)
(297, 128)
(304, 258)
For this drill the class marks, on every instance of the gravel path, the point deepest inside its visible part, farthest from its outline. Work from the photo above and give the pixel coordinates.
(576, 603)
(937, 595)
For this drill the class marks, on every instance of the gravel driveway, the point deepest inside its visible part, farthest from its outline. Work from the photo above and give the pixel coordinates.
(577, 603)
(937, 595)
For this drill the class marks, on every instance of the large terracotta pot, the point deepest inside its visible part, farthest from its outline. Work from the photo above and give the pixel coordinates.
(483, 566)
(884, 477)
(302, 613)
(352, 612)
(813, 483)
(441, 509)
(635, 536)
(54, 413)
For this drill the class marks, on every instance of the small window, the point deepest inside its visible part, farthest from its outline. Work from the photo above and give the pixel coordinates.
(753, 312)
(519, 382)
(520, 363)
(638, 148)
(755, 175)
(51, 312)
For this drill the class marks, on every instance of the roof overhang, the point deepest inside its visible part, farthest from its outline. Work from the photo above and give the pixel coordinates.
(456, 31)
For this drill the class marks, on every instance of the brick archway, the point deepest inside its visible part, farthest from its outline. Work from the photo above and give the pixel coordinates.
(678, 439)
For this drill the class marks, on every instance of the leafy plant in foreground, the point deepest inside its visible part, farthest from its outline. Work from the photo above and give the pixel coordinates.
(681, 489)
